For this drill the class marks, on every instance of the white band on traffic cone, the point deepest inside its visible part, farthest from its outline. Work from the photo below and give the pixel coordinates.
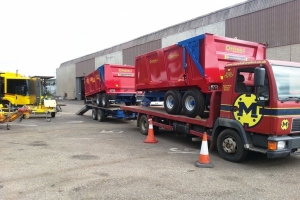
(204, 148)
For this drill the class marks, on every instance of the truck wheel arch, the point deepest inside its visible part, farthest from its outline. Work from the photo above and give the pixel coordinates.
(222, 124)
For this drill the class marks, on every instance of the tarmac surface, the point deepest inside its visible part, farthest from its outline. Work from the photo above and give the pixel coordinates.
(75, 157)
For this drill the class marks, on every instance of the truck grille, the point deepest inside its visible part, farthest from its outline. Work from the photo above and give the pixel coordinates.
(296, 125)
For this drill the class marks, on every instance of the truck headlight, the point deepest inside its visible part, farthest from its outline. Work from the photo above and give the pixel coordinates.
(281, 145)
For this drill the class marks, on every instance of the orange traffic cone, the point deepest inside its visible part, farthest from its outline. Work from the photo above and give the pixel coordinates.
(150, 137)
(204, 160)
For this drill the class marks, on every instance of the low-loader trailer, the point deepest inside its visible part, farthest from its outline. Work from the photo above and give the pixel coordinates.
(106, 88)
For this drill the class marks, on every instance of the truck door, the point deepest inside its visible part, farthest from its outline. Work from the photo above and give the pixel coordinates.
(17, 89)
(245, 108)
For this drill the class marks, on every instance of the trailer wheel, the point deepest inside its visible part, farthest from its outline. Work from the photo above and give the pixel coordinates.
(94, 114)
(172, 102)
(193, 103)
(230, 146)
(52, 114)
(104, 100)
(101, 115)
(98, 99)
(144, 125)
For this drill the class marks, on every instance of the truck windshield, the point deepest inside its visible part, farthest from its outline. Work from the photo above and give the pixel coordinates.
(287, 82)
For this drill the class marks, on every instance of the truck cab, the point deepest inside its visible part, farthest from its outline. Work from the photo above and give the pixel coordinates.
(261, 104)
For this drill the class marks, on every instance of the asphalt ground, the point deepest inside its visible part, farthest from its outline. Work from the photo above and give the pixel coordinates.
(75, 157)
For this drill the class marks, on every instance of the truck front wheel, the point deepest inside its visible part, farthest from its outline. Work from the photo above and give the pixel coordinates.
(230, 146)
(52, 114)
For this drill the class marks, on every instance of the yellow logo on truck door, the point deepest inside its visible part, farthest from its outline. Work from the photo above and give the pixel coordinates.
(248, 112)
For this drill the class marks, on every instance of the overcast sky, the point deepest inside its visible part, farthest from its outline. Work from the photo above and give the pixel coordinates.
(36, 36)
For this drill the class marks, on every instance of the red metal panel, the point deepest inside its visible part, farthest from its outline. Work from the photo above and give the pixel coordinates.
(119, 79)
(141, 76)
(173, 63)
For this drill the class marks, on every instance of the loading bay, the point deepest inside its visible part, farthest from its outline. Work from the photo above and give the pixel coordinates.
(75, 157)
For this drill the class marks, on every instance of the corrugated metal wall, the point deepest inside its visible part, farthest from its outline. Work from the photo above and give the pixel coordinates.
(130, 53)
(85, 67)
(278, 26)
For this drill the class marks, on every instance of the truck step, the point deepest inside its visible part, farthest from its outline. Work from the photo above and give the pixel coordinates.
(256, 149)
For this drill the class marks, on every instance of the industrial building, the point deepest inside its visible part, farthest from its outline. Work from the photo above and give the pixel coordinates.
(274, 22)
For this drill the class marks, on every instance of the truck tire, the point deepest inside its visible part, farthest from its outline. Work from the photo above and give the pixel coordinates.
(172, 102)
(189, 103)
(52, 114)
(230, 146)
(104, 100)
(94, 114)
(193, 103)
(98, 100)
(101, 115)
(144, 125)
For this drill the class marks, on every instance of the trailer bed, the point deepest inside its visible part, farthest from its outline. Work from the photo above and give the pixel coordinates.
(160, 116)
(159, 111)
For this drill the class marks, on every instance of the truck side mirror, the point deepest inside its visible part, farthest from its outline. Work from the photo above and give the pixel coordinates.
(259, 76)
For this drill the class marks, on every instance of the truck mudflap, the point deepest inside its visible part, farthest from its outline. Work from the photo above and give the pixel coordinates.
(290, 145)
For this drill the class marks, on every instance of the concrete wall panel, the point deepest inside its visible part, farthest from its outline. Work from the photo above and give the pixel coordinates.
(173, 39)
(216, 28)
(279, 53)
(112, 58)
(66, 81)
(295, 52)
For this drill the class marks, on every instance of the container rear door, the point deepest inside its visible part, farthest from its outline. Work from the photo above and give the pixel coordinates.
(119, 79)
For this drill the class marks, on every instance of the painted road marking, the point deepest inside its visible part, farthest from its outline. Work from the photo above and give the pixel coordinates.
(185, 151)
(112, 131)
(74, 122)
(19, 124)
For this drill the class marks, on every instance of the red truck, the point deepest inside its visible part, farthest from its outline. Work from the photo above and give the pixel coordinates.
(185, 74)
(256, 106)
(111, 83)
